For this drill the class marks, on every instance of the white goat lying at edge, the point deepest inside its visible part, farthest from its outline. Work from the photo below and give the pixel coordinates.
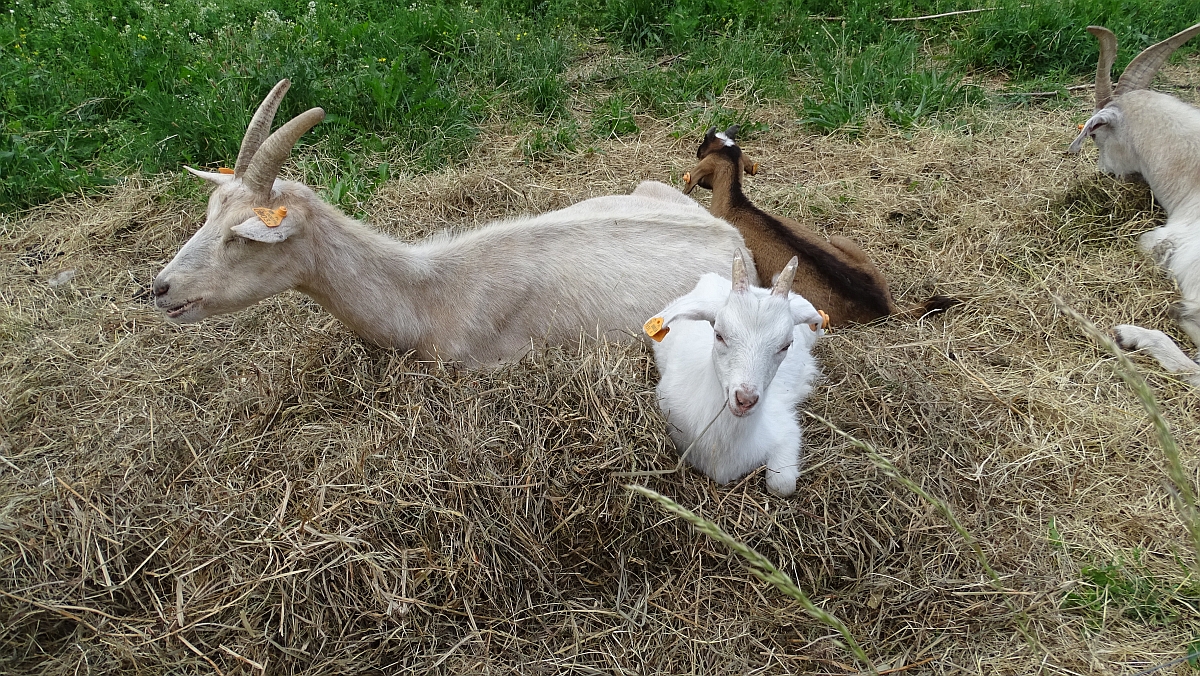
(1145, 133)
(748, 350)
(483, 296)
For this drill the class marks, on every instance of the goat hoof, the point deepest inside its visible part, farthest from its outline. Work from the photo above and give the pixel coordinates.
(1124, 341)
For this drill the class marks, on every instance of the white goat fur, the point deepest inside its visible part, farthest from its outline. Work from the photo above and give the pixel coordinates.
(1157, 137)
(765, 349)
(481, 296)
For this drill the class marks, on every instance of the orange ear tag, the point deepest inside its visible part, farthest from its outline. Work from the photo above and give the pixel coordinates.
(655, 329)
(224, 170)
(754, 169)
(270, 217)
(687, 176)
(1079, 127)
(824, 321)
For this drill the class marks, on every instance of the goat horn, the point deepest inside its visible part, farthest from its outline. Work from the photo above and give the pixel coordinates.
(741, 280)
(264, 167)
(1141, 70)
(732, 131)
(783, 283)
(1108, 52)
(260, 126)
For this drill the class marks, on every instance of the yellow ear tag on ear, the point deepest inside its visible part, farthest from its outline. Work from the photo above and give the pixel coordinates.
(687, 176)
(224, 170)
(655, 329)
(824, 321)
(754, 169)
(270, 217)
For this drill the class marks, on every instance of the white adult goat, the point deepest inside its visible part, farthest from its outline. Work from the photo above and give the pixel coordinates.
(748, 350)
(483, 296)
(1149, 134)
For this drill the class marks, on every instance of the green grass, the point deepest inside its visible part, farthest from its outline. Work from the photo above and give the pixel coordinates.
(101, 88)
(548, 141)
(889, 77)
(91, 90)
(613, 118)
(1032, 39)
(1127, 588)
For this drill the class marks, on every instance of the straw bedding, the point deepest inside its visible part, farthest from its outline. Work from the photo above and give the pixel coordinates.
(266, 493)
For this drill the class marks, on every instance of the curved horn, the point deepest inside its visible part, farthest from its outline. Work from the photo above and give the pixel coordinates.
(732, 131)
(260, 126)
(1141, 70)
(264, 167)
(1108, 52)
(741, 280)
(783, 283)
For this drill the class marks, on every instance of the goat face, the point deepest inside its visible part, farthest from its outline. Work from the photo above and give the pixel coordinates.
(249, 247)
(751, 337)
(235, 259)
(753, 330)
(1107, 129)
(1128, 109)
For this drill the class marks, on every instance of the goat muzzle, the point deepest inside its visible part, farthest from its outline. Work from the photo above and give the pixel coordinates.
(745, 398)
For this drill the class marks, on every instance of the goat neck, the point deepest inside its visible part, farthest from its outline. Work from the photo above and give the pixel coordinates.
(726, 180)
(371, 282)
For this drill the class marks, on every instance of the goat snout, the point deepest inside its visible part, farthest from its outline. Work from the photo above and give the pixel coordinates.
(744, 397)
(160, 287)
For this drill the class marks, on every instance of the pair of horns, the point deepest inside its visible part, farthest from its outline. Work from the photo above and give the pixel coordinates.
(1140, 71)
(261, 156)
(783, 283)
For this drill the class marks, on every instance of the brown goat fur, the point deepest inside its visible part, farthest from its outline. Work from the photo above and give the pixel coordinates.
(834, 275)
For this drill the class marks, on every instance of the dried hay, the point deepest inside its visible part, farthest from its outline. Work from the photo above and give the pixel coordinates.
(265, 492)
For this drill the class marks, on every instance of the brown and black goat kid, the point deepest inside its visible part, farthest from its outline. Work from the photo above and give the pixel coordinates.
(834, 275)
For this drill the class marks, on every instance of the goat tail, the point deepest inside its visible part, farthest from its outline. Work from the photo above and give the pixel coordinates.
(937, 303)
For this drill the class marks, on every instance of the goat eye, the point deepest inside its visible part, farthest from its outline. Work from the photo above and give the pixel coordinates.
(785, 348)
(720, 338)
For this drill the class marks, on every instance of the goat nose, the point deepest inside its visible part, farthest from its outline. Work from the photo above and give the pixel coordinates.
(745, 400)
(160, 287)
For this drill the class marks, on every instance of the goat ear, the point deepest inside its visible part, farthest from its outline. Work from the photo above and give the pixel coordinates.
(1102, 117)
(749, 167)
(210, 176)
(256, 228)
(697, 177)
(695, 309)
(803, 312)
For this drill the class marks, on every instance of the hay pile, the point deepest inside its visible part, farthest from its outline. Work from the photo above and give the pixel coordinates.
(265, 492)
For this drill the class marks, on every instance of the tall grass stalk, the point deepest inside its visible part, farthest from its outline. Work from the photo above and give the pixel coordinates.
(762, 568)
(942, 508)
(1182, 495)
(940, 505)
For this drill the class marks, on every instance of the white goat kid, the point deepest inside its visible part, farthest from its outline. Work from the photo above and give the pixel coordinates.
(483, 296)
(1157, 137)
(734, 365)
